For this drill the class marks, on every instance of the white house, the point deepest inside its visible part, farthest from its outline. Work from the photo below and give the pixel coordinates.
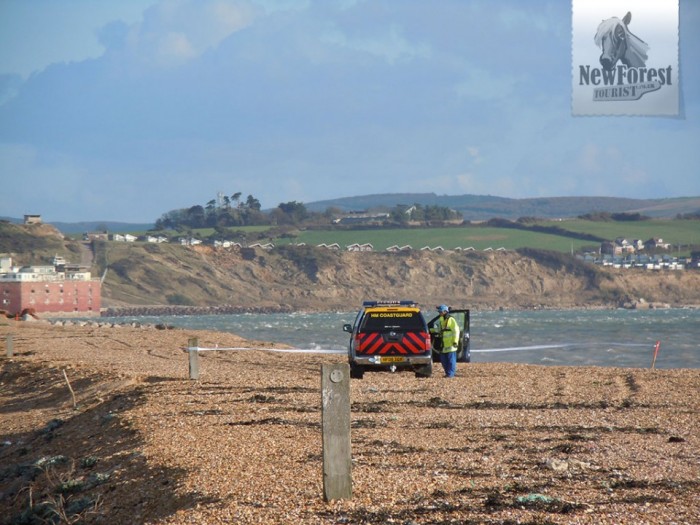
(265, 246)
(333, 246)
(155, 239)
(189, 241)
(356, 247)
(656, 244)
(222, 244)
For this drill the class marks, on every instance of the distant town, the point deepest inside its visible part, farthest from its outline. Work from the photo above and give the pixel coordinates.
(647, 255)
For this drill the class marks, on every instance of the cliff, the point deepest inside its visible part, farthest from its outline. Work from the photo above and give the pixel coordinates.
(142, 276)
(312, 279)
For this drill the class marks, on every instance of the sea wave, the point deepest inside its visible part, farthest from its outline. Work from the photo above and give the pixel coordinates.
(557, 337)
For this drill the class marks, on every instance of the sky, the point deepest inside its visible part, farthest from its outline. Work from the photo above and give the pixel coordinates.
(123, 111)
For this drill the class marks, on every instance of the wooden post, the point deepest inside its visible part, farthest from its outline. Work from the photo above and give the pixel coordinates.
(335, 423)
(10, 348)
(192, 345)
(656, 353)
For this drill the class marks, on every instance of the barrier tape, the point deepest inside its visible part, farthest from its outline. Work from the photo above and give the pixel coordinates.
(549, 347)
(335, 351)
(280, 350)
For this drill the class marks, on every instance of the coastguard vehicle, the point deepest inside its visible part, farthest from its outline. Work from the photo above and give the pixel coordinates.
(389, 336)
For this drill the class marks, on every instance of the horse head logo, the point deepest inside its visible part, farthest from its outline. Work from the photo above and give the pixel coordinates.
(618, 43)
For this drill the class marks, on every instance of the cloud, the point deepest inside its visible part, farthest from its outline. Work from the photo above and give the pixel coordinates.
(9, 87)
(484, 85)
(314, 100)
(468, 183)
(589, 159)
(174, 32)
(600, 162)
(49, 178)
(475, 154)
(391, 45)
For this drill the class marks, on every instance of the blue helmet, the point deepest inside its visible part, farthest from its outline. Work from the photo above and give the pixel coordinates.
(443, 308)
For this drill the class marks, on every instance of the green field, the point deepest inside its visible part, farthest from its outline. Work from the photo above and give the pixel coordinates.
(684, 232)
(198, 232)
(477, 237)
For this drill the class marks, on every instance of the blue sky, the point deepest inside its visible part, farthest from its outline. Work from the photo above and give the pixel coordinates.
(125, 110)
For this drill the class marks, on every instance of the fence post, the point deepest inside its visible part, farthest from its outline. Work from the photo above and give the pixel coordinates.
(192, 345)
(9, 344)
(335, 423)
(656, 353)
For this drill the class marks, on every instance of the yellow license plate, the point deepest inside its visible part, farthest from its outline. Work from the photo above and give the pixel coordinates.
(396, 359)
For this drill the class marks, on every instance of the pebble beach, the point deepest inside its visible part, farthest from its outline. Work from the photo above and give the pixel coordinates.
(104, 424)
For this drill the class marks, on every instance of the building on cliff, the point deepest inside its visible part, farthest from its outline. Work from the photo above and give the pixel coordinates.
(58, 288)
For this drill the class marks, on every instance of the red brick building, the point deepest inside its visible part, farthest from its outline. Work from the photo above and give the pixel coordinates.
(60, 288)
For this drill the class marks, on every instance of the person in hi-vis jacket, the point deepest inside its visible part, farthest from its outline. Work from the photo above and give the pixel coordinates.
(446, 326)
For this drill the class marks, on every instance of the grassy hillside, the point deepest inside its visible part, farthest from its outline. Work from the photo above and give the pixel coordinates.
(35, 244)
(477, 237)
(539, 273)
(485, 207)
(684, 232)
(677, 232)
(38, 244)
(143, 273)
(482, 236)
(472, 207)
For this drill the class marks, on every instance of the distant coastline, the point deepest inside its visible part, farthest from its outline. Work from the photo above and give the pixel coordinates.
(129, 311)
(146, 311)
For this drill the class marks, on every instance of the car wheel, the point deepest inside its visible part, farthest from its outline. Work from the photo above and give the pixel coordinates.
(424, 371)
(356, 371)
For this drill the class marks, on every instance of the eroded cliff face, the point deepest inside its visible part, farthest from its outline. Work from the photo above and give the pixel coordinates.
(313, 279)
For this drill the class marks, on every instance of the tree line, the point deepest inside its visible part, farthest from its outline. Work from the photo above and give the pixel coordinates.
(230, 211)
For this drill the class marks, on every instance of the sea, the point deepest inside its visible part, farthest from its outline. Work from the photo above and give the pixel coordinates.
(659, 338)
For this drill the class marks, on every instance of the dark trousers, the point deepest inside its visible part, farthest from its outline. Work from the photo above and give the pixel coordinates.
(449, 363)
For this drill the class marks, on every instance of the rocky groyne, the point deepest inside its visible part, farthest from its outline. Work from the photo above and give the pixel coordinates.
(157, 310)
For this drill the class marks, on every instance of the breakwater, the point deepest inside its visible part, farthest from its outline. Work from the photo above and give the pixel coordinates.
(161, 310)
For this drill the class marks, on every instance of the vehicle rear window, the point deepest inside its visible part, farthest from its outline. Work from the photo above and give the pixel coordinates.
(387, 321)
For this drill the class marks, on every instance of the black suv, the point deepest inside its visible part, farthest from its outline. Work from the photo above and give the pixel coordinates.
(389, 335)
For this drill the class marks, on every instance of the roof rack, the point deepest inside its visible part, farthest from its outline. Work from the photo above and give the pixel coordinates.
(403, 302)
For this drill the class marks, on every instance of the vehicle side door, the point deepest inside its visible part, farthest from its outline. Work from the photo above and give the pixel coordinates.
(463, 319)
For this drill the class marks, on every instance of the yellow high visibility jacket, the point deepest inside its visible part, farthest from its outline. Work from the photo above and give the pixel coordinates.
(450, 333)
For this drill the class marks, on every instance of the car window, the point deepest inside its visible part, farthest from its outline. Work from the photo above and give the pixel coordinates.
(387, 321)
(357, 318)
